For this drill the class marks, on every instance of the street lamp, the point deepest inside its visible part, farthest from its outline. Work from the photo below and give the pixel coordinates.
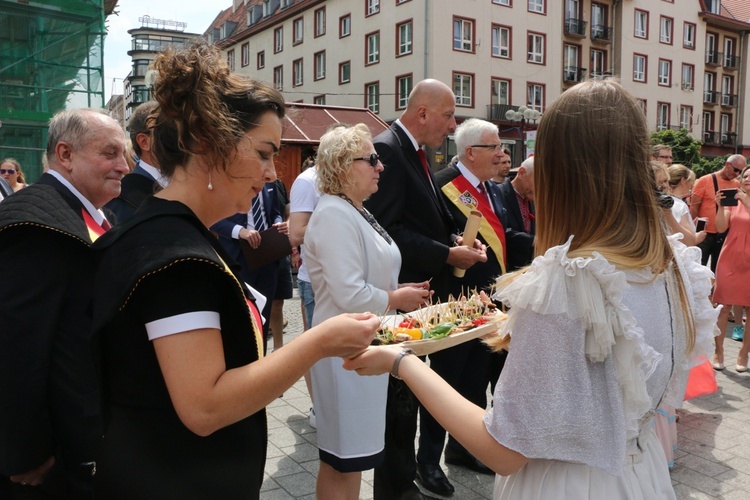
(522, 115)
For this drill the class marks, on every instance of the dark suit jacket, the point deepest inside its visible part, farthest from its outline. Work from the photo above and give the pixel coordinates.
(224, 227)
(264, 278)
(135, 187)
(520, 243)
(412, 212)
(482, 274)
(48, 384)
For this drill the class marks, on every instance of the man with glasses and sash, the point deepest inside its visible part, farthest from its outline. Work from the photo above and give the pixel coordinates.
(465, 187)
(702, 204)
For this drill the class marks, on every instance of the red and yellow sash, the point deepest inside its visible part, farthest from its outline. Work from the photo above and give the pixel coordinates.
(255, 318)
(467, 198)
(95, 230)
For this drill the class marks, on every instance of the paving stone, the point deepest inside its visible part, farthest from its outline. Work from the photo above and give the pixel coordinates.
(712, 459)
(298, 485)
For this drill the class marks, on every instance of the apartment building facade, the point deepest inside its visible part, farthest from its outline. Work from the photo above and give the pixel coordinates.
(153, 36)
(686, 60)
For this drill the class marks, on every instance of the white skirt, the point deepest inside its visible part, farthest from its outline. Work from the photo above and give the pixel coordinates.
(645, 478)
(349, 410)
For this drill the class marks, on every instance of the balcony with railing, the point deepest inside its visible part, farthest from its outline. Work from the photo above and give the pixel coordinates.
(496, 112)
(731, 62)
(728, 139)
(710, 137)
(573, 74)
(710, 97)
(713, 58)
(601, 33)
(575, 27)
(729, 100)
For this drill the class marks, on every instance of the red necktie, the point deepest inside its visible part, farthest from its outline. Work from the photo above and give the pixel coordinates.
(423, 159)
(483, 192)
(526, 215)
(106, 225)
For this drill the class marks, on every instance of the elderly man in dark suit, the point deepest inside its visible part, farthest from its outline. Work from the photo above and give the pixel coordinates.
(466, 187)
(145, 179)
(50, 426)
(264, 214)
(518, 199)
(409, 206)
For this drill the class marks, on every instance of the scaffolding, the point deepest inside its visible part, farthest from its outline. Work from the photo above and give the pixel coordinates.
(51, 58)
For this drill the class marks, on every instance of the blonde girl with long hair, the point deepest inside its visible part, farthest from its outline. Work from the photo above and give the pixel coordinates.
(603, 326)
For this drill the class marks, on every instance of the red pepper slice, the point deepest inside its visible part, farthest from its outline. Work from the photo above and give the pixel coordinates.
(408, 323)
(479, 321)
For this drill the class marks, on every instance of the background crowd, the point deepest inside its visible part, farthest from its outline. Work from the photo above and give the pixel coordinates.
(155, 331)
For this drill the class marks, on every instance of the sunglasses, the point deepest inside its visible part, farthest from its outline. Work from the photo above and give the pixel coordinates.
(4, 171)
(373, 159)
(736, 170)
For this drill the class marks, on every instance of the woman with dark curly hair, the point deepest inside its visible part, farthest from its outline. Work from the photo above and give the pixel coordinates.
(185, 379)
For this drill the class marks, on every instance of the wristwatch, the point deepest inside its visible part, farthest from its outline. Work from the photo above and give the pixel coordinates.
(404, 352)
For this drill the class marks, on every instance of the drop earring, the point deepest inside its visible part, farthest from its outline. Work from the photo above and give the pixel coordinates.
(210, 186)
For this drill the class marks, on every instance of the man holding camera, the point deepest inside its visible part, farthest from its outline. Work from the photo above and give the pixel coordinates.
(702, 204)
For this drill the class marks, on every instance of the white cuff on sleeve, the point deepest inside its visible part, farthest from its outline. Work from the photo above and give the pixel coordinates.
(183, 323)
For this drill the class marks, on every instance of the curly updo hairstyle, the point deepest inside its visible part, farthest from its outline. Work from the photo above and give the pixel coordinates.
(204, 108)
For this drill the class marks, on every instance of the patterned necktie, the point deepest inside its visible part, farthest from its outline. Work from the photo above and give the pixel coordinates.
(526, 215)
(260, 225)
(483, 192)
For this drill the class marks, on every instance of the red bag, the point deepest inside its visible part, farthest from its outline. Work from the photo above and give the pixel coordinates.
(701, 381)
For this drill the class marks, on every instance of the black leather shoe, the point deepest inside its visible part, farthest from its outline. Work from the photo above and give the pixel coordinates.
(465, 459)
(433, 479)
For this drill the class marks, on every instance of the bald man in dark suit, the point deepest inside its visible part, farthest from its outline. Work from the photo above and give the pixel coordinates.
(408, 204)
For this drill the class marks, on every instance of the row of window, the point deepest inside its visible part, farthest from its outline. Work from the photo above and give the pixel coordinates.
(664, 116)
(640, 74)
(463, 88)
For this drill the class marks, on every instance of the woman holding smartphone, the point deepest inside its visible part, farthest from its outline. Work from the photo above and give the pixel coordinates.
(733, 268)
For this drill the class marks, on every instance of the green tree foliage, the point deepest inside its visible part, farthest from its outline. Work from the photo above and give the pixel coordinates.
(686, 150)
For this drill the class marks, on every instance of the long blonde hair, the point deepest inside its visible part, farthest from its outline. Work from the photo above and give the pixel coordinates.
(593, 180)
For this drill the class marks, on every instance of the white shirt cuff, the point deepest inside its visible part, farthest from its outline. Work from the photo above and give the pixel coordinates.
(183, 323)
(236, 232)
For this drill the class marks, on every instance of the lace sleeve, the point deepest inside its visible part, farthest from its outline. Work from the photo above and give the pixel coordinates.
(603, 359)
(697, 280)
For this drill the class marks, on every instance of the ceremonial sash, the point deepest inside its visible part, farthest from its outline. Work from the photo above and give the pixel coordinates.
(467, 198)
(95, 230)
(255, 318)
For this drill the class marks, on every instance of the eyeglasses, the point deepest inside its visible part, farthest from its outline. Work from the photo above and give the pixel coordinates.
(736, 170)
(4, 171)
(493, 147)
(373, 159)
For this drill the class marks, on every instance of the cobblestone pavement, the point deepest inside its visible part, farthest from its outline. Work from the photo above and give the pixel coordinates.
(712, 461)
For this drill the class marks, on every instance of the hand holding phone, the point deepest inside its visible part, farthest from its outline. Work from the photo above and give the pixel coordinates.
(700, 224)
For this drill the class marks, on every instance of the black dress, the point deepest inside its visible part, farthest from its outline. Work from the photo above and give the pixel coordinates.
(160, 263)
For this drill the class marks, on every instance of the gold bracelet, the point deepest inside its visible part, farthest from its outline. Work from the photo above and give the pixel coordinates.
(404, 352)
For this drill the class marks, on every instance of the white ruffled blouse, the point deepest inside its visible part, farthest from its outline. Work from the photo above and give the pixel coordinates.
(594, 351)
